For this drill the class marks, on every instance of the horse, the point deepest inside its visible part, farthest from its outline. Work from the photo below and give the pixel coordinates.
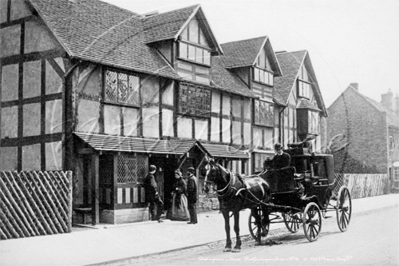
(234, 195)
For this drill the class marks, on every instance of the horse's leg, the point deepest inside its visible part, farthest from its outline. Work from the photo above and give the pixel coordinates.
(237, 247)
(226, 217)
(258, 223)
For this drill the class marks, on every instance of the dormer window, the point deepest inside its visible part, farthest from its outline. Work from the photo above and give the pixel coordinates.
(304, 89)
(263, 76)
(193, 46)
(262, 71)
(194, 53)
(304, 84)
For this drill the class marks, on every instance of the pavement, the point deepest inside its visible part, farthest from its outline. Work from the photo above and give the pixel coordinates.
(105, 244)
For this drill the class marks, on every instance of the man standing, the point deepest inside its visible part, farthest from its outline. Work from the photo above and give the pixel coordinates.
(281, 159)
(192, 195)
(151, 194)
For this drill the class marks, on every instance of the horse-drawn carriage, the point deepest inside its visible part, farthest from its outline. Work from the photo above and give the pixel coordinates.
(300, 194)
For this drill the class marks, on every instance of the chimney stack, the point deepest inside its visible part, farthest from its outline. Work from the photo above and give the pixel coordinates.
(355, 86)
(387, 100)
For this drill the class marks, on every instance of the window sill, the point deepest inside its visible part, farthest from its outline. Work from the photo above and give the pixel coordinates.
(193, 62)
(261, 83)
(120, 104)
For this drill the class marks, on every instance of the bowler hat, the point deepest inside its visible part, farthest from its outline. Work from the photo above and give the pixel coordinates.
(153, 168)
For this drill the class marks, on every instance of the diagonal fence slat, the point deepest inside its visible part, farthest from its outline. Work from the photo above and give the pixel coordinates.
(52, 200)
(30, 215)
(35, 203)
(41, 202)
(42, 225)
(12, 214)
(18, 205)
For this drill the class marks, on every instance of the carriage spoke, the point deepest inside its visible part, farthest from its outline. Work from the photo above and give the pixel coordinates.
(346, 218)
(317, 230)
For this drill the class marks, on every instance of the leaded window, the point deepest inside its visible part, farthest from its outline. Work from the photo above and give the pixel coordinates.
(131, 168)
(194, 100)
(121, 88)
(264, 113)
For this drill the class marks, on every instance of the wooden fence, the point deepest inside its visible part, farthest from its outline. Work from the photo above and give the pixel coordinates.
(35, 203)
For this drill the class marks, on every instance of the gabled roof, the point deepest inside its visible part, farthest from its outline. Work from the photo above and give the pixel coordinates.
(245, 53)
(171, 24)
(291, 63)
(102, 33)
(226, 80)
(167, 25)
(392, 118)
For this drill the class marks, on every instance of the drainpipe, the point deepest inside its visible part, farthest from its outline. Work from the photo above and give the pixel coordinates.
(65, 129)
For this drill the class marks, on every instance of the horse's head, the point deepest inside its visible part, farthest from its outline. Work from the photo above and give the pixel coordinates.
(215, 174)
(210, 169)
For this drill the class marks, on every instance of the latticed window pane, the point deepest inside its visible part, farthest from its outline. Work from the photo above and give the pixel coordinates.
(127, 165)
(133, 94)
(141, 168)
(111, 88)
(122, 88)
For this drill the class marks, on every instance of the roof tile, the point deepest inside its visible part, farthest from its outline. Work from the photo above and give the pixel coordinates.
(166, 25)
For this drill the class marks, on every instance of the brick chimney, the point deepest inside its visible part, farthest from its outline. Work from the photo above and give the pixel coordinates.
(354, 85)
(387, 99)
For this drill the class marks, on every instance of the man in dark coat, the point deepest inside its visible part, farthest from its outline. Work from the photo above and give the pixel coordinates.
(151, 195)
(192, 195)
(281, 159)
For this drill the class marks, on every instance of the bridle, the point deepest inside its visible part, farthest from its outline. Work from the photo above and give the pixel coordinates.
(228, 190)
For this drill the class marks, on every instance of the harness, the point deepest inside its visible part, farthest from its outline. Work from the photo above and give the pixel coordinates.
(230, 190)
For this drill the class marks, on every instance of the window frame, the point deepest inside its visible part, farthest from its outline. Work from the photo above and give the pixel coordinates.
(300, 89)
(194, 60)
(107, 100)
(258, 80)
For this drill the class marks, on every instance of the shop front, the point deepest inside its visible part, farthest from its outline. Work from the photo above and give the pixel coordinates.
(110, 172)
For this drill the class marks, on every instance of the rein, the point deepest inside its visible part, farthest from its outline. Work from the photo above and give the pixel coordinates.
(220, 192)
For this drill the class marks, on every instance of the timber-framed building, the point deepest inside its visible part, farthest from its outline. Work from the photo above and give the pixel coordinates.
(104, 92)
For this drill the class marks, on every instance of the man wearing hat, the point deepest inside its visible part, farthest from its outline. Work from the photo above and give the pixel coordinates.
(281, 159)
(151, 194)
(192, 195)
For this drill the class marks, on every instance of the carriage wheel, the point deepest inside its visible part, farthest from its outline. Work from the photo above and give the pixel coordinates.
(258, 231)
(311, 221)
(344, 208)
(292, 221)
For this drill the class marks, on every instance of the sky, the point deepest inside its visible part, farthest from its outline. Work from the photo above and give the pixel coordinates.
(349, 41)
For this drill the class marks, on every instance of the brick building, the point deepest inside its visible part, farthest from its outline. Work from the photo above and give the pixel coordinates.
(102, 91)
(372, 130)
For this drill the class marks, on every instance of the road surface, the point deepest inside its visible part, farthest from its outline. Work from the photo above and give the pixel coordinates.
(372, 239)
